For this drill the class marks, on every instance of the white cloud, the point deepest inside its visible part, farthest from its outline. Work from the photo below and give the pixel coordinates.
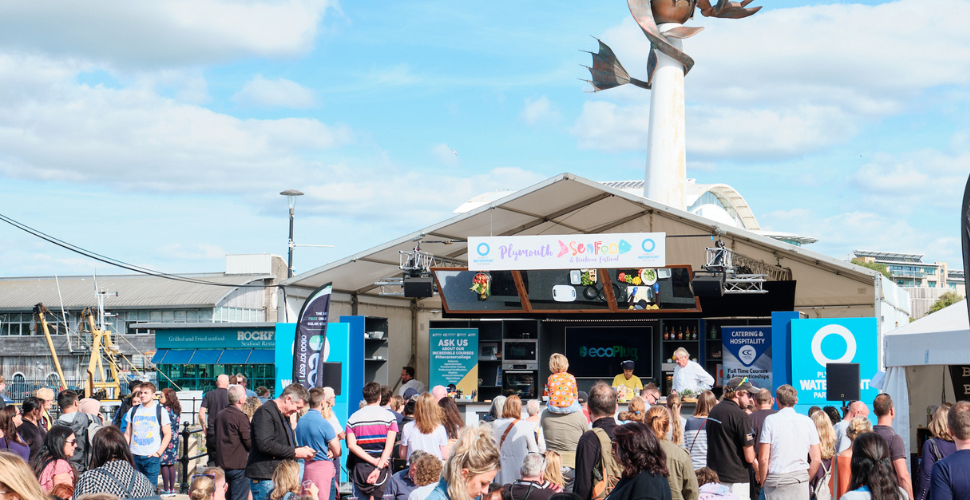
(280, 93)
(539, 110)
(445, 154)
(139, 35)
(914, 180)
(197, 251)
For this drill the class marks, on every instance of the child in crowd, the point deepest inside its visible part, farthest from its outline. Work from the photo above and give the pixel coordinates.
(561, 387)
(427, 470)
(710, 486)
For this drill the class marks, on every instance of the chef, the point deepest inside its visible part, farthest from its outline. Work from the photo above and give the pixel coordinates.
(631, 385)
(688, 375)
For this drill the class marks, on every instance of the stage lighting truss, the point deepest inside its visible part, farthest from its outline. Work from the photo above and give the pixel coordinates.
(413, 264)
(738, 278)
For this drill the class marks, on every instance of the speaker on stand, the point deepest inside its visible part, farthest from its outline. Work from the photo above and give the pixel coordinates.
(842, 383)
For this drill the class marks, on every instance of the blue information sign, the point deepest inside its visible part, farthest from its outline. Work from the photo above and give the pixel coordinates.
(747, 353)
(817, 342)
(454, 358)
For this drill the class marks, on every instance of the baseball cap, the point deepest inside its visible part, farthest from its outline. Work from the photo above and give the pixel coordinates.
(409, 393)
(740, 384)
(582, 397)
(627, 365)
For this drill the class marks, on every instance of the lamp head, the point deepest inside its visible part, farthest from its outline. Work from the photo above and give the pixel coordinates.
(291, 195)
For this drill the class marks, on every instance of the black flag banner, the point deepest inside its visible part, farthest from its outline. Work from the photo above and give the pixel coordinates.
(965, 232)
(311, 337)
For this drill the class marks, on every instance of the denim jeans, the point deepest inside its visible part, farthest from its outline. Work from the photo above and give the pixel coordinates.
(238, 484)
(149, 466)
(261, 488)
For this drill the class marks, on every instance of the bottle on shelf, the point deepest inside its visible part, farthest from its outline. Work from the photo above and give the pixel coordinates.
(713, 332)
(693, 335)
(680, 333)
(666, 333)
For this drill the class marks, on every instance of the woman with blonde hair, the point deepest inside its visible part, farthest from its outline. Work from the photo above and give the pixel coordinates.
(329, 398)
(250, 406)
(17, 480)
(677, 422)
(210, 485)
(680, 469)
(636, 411)
(935, 449)
(554, 479)
(426, 431)
(819, 485)
(286, 483)
(471, 467)
(695, 429)
(515, 440)
(857, 427)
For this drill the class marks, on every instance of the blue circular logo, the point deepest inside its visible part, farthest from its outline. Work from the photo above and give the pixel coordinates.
(483, 251)
(644, 245)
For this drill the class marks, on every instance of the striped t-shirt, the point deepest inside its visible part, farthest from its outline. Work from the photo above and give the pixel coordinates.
(695, 441)
(370, 426)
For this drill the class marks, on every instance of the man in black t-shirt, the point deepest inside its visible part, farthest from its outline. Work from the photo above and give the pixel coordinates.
(882, 406)
(213, 402)
(730, 440)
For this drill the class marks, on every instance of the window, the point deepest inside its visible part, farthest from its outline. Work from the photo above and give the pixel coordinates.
(52, 380)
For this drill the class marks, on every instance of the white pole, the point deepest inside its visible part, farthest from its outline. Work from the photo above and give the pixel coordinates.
(666, 174)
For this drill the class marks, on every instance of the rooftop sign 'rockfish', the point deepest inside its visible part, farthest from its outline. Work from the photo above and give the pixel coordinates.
(503, 253)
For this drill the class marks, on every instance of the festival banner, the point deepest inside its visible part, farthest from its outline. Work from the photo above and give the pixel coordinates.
(454, 358)
(311, 338)
(964, 231)
(817, 342)
(747, 353)
(575, 251)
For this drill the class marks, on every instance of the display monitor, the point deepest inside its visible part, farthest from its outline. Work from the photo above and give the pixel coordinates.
(596, 352)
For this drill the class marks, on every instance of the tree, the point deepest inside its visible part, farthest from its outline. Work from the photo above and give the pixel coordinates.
(875, 266)
(945, 300)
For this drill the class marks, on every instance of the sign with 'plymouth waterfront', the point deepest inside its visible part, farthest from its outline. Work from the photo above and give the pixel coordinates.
(575, 251)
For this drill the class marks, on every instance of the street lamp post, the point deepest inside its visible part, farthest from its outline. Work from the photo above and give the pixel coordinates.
(291, 195)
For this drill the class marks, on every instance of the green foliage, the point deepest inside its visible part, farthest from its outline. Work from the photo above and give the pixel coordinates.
(945, 300)
(875, 266)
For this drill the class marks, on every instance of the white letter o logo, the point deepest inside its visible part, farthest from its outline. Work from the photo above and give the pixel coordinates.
(825, 331)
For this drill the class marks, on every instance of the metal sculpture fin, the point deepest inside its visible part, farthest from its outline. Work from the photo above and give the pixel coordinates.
(607, 72)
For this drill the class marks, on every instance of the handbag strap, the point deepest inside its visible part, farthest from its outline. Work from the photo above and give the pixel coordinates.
(507, 433)
(695, 436)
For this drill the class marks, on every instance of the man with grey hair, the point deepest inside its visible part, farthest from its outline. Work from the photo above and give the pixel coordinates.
(856, 409)
(233, 440)
(786, 439)
(273, 438)
(533, 472)
(242, 380)
(532, 408)
(688, 375)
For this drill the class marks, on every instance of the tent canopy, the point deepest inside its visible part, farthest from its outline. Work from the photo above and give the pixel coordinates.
(941, 338)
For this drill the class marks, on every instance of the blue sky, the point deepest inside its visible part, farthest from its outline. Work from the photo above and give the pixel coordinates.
(161, 134)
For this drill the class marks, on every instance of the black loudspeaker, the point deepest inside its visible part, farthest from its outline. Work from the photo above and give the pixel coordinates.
(842, 382)
(418, 287)
(331, 376)
(706, 285)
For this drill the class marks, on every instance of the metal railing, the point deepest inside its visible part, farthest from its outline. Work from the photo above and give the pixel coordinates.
(20, 389)
(185, 458)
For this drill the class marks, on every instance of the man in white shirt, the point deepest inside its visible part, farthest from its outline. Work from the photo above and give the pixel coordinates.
(688, 375)
(787, 438)
(148, 431)
(407, 377)
(856, 409)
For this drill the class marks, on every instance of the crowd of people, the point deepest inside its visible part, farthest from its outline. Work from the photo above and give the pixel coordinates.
(749, 444)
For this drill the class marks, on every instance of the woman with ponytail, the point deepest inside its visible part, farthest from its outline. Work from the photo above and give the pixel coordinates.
(471, 467)
(680, 469)
(873, 475)
(677, 422)
(636, 411)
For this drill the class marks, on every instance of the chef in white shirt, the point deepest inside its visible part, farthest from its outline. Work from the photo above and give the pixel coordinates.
(689, 375)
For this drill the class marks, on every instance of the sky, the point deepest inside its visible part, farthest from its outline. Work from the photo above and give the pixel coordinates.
(161, 133)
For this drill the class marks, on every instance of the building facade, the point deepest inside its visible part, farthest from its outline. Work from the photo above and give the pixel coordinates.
(926, 282)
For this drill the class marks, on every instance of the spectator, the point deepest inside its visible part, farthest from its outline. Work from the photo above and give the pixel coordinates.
(515, 440)
(856, 409)
(450, 417)
(149, 431)
(636, 411)
(680, 470)
(786, 439)
(118, 420)
(553, 472)
(695, 432)
(401, 484)
(314, 431)
(949, 479)
(730, 441)
(3, 387)
(857, 427)
(471, 466)
(711, 487)
(532, 409)
(233, 438)
(584, 402)
(763, 408)
(813, 410)
(242, 380)
(408, 382)
(31, 430)
(170, 401)
(263, 394)
(426, 432)
(427, 471)
(10, 439)
(495, 411)
(249, 407)
(873, 476)
(79, 422)
(286, 477)
(386, 395)
(561, 387)
(883, 408)
(677, 422)
(650, 394)
(497, 492)
(213, 402)
(92, 408)
(16, 478)
(439, 392)
(562, 432)
(47, 396)
(397, 404)
(602, 407)
(641, 460)
(112, 469)
(819, 485)
(370, 439)
(689, 375)
(939, 446)
(210, 485)
(273, 440)
(833, 414)
(532, 484)
(408, 410)
(52, 464)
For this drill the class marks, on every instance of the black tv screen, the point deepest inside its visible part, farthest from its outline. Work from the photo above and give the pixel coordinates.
(598, 351)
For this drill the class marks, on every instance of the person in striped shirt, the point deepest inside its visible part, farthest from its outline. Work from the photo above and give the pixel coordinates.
(370, 439)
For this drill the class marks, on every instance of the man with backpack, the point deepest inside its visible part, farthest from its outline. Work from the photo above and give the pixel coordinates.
(596, 468)
(148, 430)
(78, 422)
